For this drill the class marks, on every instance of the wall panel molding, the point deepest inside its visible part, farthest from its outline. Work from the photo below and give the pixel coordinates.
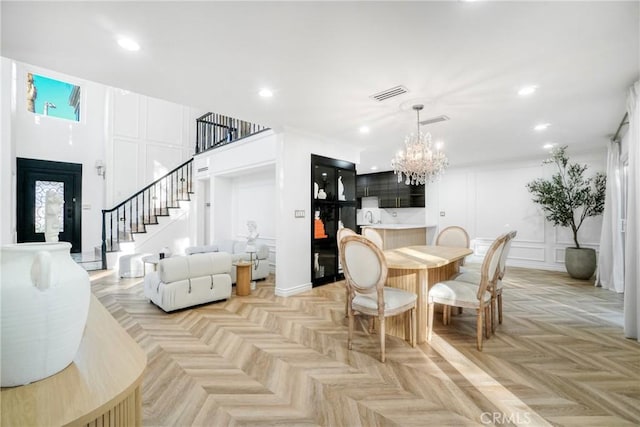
(126, 114)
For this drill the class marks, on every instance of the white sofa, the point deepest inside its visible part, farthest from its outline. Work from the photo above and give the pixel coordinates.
(237, 249)
(185, 281)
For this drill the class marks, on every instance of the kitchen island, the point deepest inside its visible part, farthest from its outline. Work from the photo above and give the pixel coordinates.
(400, 235)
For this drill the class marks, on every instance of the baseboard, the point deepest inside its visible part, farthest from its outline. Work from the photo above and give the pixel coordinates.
(293, 291)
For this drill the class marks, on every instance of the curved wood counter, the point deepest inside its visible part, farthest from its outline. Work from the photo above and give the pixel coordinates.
(400, 235)
(100, 387)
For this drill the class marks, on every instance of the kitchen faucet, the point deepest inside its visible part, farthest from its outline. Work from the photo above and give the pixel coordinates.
(369, 217)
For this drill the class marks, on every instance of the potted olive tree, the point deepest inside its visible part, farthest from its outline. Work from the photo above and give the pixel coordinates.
(567, 199)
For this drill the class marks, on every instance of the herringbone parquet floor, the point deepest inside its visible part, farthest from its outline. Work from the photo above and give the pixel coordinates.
(559, 358)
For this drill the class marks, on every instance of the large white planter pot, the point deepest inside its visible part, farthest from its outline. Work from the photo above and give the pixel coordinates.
(44, 306)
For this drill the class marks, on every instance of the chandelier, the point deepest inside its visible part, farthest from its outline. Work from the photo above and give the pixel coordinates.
(419, 162)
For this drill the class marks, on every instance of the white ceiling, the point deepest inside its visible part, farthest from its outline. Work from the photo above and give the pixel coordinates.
(323, 60)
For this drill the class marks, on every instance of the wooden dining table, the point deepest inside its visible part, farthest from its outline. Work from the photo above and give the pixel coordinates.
(416, 269)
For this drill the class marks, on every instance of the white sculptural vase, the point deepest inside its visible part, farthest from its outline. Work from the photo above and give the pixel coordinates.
(44, 305)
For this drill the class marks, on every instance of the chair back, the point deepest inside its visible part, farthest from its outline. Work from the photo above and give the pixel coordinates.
(505, 253)
(489, 271)
(364, 265)
(344, 231)
(373, 235)
(453, 236)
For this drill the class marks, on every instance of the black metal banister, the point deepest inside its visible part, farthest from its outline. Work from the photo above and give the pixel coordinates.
(149, 186)
(214, 130)
(142, 208)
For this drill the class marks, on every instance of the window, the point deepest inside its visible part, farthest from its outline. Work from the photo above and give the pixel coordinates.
(54, 98)
(42, 188)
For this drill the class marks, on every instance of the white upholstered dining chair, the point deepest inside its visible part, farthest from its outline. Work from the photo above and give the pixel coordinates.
(342, 232)
(365, 271)
(453, 236)
(373, 235)
(496, 291)
(455, 293)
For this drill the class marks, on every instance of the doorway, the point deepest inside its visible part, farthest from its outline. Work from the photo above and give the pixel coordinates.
(35, 178)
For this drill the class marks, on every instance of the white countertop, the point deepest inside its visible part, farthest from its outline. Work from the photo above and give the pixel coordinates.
(397, 226)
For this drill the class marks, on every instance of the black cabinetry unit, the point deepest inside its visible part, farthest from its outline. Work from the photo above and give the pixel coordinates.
(390, 192)
(333, 205)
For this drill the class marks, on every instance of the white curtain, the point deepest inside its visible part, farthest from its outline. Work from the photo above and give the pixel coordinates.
(632, 233)
(611, 257)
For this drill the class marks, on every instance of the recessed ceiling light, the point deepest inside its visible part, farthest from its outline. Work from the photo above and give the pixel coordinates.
(364, 129)
(527, 90)
(374, 168)
(541, 126)
(265, 93)
(128, 44)
(548, 145)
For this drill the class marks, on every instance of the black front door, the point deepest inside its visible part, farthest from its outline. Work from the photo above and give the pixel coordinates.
(34, 179)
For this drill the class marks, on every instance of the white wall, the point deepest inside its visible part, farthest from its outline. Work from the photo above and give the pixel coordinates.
(7, 155)
(148, 137)
(137, 137)
(493, 199)
(49, 138)
(293, 192)
(254, 198)
(241, 181)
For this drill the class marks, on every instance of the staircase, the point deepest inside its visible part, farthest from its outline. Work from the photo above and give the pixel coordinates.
(121, 223)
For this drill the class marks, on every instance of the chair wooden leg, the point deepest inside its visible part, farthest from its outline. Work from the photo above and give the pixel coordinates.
(493, 315)
(430, 310)
(372, 324)
(479, 328)
(500, 308)
(346, 304)
(414, 332)
(350, 335)
(382, 340)
(487, 321)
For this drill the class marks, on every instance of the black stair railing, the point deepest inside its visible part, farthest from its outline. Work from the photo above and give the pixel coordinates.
(143, 208)
(215, 130)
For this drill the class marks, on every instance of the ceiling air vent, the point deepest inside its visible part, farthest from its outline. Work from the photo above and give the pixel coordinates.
(435, 119)
(389, 93)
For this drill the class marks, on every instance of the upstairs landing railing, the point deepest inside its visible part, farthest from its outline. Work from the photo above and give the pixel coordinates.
(216, 130)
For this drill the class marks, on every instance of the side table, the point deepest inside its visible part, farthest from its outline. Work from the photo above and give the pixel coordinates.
(243, 278)
(149, 259)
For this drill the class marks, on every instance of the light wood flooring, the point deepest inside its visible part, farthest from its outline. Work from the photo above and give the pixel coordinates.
(559, 358)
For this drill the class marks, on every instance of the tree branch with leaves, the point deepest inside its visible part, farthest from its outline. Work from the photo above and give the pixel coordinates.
(568, 198)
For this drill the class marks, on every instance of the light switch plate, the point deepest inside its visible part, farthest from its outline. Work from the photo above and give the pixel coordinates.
(299, 213)
(441, 213)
